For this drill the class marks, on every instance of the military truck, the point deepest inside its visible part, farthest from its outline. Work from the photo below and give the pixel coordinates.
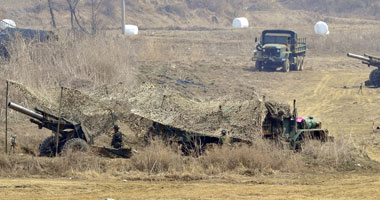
(283, 126)
(279, 48)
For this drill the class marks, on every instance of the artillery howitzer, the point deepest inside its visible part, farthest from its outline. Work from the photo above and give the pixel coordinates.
(374, 76)
(72, 136)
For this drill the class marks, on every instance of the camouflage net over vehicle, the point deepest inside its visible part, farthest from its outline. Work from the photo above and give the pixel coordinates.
(240, 117)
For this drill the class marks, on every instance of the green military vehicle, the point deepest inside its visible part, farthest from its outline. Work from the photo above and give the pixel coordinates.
(279, 48)
(280, 124)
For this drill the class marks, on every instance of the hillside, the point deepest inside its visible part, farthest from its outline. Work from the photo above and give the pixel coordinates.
(344, 8)
(188, 13)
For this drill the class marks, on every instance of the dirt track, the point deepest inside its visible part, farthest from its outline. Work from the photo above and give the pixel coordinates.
(317, 186)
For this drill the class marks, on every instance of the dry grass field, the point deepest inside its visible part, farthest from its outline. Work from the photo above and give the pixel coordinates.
(180, 41)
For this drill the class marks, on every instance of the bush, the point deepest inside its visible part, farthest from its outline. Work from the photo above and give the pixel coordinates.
(261, 156)
(158, 158)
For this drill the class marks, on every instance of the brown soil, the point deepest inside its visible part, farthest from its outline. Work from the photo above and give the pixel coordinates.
(285, 186)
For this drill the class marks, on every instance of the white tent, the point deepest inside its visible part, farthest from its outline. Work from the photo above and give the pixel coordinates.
(5, 23)
(240, 22)
(321, 28)
(131, 30)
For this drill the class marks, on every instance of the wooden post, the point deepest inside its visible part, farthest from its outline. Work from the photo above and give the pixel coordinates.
(59, 123)
(6, 118)
(122, 16)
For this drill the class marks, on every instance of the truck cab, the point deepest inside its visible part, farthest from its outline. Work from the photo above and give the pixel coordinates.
(279, 48)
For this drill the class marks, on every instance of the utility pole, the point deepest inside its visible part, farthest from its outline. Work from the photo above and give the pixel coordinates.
(122, 16)
(59, 123)
(6, 118)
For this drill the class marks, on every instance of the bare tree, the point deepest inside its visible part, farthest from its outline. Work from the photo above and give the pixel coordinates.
(95, 5)
(76, 20)
(52, 14)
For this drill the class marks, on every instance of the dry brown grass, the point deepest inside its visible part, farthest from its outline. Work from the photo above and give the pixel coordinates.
(72, 61)
(262, 157)
(342, 154)
(158, 158)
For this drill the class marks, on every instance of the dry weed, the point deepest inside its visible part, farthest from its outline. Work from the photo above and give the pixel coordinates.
(72, 61)
(261, 156)
(343, 153)
(158, 158)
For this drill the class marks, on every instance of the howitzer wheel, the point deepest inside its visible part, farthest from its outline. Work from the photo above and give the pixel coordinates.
(75, 144)
(47, 147)
(374, 77)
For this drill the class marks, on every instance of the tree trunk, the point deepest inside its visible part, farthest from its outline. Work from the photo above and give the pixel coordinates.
(52, 14)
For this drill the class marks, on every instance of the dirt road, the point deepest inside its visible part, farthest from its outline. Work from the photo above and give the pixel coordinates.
(286, 186)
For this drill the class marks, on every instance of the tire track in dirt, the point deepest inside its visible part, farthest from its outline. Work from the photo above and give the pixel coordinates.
(318, 98)
(335, 105)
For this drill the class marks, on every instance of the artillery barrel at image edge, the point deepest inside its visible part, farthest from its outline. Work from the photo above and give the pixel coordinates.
(25, 111)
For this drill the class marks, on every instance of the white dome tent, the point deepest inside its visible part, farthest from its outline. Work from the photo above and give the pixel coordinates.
(240, 22)
(5, 23)
(131, 30)
(321, 28)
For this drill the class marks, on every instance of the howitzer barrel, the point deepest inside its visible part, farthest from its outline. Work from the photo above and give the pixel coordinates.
(363, 58)
(25, 111)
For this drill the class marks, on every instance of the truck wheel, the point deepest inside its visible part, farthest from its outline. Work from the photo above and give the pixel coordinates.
(259, 66)
(293, 67)
(300, 67)
(286, 66)
(75, 144)
(300, 63)
(47, 147)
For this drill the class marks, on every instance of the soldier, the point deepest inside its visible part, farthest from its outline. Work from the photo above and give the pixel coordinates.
(222, 138)
(13, 143)
(277, 125)
(360, 88)
(117, 139)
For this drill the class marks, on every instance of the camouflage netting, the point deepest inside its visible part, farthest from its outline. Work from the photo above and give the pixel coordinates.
(240, 117)
(76, 106)
(273, 109)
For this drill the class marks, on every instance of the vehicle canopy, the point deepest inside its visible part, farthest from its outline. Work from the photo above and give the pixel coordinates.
(277, 36)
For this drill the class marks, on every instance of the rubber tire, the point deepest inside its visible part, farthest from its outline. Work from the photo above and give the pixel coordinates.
(259, 66)
(294, 67)
(300, 68)
(75, 144)
(374, 77)
(300, 63)
(47, 147)
(286, 66)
